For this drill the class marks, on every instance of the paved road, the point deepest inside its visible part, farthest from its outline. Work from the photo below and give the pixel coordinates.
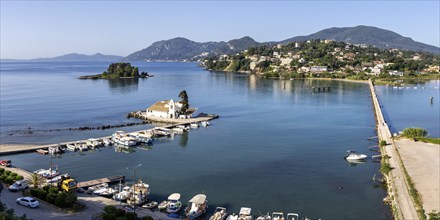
(399, 187)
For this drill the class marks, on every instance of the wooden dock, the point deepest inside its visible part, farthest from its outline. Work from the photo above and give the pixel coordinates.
(110, 179)
(175, 122)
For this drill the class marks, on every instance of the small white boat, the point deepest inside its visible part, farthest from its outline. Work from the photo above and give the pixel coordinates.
(174, 204)
(233, 216)
(83, 147)
(194, 125)
(264, 217)
(120, 137)
(292, 216)
(352, 155)
(106, 142)
(186, 128)
(93, 143)
(245, 214)
(123, 195)
(197, 206)
(71, 147)
(55, 150)
(277, 216)
(150, 205)
(57, 178)
(219, 214)
(205, 123)
(109, 192)
(42, 151)
(163, 204)
(94, 188)
(47, 173)
(178, 130)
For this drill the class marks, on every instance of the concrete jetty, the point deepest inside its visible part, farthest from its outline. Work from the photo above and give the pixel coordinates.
(398, 189)
(175, 122)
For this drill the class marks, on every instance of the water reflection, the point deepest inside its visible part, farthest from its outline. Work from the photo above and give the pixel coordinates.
(183, 139)
(124, 85)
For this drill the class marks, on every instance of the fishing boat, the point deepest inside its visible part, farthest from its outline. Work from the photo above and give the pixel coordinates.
(292, 216)
(174, 204)
(264, 217)
(139, 193)
(245, 214)
(277, 216)
(219, 214)
(123, 194)
(150, 205)
(197, 206)
(205, 123)
(55, 150)
(353, 156)
(41, 151)
(120, 137)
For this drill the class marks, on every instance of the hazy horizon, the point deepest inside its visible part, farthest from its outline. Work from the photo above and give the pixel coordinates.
(43, 29)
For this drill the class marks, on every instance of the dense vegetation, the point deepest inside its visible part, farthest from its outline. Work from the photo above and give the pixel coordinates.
(8, 177)
(342, 60)
(119, 70)
(419, 134)
(55, 197)
(113, 213)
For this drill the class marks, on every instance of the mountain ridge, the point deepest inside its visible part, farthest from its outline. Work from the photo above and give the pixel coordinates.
(70, 57)
(173, 49)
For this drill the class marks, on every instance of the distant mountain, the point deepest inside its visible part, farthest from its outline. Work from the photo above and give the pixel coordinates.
(72, 57)
(180, 49)
(373, 36)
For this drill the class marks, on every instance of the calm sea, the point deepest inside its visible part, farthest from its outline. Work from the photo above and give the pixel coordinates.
(276, 147)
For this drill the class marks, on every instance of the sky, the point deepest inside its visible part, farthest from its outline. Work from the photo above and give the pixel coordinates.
(34, 29)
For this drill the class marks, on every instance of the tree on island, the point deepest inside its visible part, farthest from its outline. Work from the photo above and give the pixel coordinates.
(119, 70)
(184, 101)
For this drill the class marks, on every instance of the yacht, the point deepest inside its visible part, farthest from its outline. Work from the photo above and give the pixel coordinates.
(277, 216)
(245, 214)
(352, 155)
(292, 216)
(123, 194)
(138, 193)
(219, 214)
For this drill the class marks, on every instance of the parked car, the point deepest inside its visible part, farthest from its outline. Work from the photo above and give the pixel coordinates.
(18, 186)
(28, 202)
(6, 163)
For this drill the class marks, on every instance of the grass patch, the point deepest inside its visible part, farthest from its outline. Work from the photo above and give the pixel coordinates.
(434, 215)
(429, 140)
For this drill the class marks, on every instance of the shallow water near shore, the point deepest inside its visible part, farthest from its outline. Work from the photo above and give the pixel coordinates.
(276, 146)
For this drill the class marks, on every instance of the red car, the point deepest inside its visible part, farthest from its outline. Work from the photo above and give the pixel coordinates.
(6, 163)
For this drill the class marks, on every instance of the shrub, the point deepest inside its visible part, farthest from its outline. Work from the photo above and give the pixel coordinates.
(415, 132)
(130, 216)
(386, 168)
(46, 188)
(7, 172)
(19, 177)
(2, 170)
(42, 194)
(108, 216)
(34, 192)
(50, 198)
(9, 180)
(382, 143)
(70, 199)
(434, 215)
(13, 174)
(60, 201)
(53, 190)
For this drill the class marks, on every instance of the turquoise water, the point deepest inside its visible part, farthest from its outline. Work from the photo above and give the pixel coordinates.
(276, 146)
(410, 106)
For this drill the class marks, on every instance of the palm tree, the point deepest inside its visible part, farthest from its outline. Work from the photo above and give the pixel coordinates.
(36, 180)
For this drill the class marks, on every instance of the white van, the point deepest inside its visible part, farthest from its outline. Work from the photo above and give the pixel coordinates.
(18, 186)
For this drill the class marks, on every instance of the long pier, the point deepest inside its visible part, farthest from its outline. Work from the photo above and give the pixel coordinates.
(110, 179)
(398, 188)
(175, 122)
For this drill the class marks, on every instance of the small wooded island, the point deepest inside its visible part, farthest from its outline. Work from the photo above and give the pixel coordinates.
(118, 71)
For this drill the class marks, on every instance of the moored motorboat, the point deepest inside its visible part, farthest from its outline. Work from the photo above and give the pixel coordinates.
(353, 156)
(245, 213)
(163, 204)
(232, 216)
(106, 142)
(205, 123)
(41, 151)
(108, 192)
(94, 188)
(178, 130)
(292, 216)
(174, 204)
(82, 147)
(57, 178)
(71, 147)
(264, 217)
(139, 193)
(123, 194)
(48, 173)
(120, 137)
(277, 216)
(55, 150)
(194, 125)
(219, 214)
(150, 205)
(197, 206)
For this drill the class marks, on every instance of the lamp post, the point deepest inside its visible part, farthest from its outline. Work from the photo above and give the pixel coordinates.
(134, 186)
